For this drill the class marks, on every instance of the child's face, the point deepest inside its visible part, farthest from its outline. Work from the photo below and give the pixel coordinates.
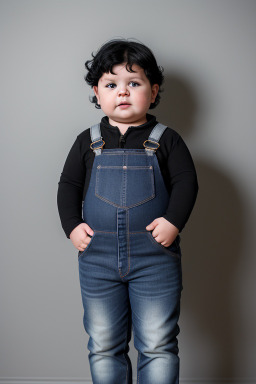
(125, 97)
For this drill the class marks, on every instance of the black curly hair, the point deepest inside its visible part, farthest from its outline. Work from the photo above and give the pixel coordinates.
(119, 51)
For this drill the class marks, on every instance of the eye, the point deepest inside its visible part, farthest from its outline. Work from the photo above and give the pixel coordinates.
(134, 84)
(110, 85)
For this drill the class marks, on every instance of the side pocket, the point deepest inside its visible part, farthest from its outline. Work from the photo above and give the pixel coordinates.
(83, 253)
(173, 249)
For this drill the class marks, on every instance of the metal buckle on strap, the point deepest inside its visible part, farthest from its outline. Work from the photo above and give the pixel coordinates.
(153, 146)
(94, 145)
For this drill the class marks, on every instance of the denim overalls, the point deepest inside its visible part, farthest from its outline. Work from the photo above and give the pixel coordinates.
(127, 278)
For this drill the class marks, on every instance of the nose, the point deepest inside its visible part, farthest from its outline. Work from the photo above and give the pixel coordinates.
(123, 91)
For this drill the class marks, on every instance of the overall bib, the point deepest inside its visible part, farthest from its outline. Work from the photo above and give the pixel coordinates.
(128, 280)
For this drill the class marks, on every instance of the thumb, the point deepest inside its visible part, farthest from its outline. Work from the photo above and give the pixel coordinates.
(151, 226)
(88, 229)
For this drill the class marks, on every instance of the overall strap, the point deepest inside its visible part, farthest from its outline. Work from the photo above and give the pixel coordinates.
(97, 142)
(152, 143)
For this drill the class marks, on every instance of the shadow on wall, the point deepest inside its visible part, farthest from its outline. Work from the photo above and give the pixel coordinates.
(212, 244)
(178, 106)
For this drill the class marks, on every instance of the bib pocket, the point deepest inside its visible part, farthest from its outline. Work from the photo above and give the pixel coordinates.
(125, 186)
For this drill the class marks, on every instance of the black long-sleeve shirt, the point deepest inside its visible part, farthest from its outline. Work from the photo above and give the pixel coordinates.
(174, 159)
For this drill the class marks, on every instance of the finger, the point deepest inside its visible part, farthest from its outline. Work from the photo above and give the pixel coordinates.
(151, 226)
(87, 240)
(156, 232)
(158, 238)
(84, 239)
(82, 247)
(84, 244)
(88, 229)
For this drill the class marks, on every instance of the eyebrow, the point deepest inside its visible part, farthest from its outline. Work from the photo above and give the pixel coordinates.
(107, 79)
(131, 78)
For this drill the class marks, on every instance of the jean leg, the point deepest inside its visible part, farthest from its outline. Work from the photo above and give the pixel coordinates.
(155, 303)
(107, 317)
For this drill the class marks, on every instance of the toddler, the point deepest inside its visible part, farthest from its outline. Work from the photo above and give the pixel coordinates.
(127, 189)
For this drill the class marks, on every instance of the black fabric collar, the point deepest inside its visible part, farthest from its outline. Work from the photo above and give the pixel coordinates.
(150, 123)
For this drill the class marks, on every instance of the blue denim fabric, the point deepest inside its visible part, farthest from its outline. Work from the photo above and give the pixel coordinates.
(128, 280)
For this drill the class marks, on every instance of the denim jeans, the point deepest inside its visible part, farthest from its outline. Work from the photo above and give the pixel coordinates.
(128, 280)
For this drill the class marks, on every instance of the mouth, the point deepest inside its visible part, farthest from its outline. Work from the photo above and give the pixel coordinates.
(124, 104)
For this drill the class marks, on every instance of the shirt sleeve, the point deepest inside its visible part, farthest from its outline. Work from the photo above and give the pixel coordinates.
(70, 190)
(183, 184)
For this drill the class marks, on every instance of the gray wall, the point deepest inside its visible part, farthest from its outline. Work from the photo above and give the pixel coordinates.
(207, 49)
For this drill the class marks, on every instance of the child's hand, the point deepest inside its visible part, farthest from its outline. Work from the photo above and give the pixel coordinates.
(79, 236)
(164, 232)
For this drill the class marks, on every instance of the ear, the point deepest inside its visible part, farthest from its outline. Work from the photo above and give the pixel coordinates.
(95, 90)
(154, 92)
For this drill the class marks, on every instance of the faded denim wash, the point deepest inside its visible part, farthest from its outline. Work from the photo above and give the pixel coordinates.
(128, 280)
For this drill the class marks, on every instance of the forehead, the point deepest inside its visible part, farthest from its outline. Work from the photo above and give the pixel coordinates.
(120, 70)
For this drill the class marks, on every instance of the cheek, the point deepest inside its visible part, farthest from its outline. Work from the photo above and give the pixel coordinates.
(107, 103)
(105, 98)
(144, 99)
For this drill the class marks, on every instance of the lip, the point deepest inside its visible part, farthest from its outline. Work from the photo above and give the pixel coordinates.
(124, 105)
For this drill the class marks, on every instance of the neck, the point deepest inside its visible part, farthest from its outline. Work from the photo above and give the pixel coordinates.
(124, 126)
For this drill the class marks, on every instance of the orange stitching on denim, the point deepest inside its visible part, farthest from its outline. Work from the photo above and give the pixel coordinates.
(107, 232)
(130, 206)
(140, 167)
(122, 207)
(138, 232)
(128, 246)
(120, 152)
(84, 252)
(165, 249)
(128, 239)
